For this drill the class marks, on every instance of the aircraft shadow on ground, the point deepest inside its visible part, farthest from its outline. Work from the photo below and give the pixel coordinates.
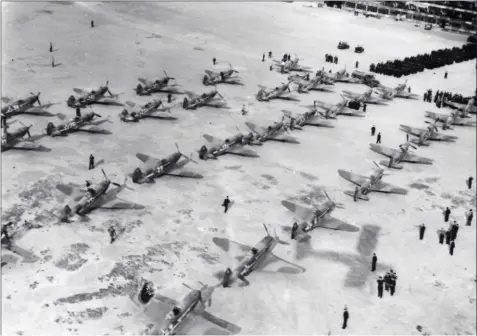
(359, 264)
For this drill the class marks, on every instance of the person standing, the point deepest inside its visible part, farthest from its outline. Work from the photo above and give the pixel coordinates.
(469, 182)
(469, 216)
(373, 130)
(451, 248)
(226, 204)
(378, 138)
(441, 233)
(345, 317)
(380, 286)
(373, 262)
(447, 213)
(422, 229)
(91, 162)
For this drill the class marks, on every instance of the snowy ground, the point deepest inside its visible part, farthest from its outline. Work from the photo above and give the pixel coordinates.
(80, 283)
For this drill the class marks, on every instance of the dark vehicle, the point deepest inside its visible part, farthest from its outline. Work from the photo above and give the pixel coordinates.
(353, 104)
(343, 45)
(428, 26)
(358, 49)
(366, 78)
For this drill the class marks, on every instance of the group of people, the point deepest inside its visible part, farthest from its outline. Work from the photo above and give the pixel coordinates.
(433, 60)
(331, 59)
(441, 97)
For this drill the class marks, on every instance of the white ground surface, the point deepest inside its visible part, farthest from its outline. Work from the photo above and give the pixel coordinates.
(170, 241)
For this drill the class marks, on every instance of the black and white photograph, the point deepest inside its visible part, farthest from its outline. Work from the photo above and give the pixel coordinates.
(238, 168)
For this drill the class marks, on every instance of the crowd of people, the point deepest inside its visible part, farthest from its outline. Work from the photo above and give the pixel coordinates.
(441, 97)
(433, 60)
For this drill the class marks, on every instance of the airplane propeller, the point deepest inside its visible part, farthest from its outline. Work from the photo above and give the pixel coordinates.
(167, 76)
(187, 157)
(107, 179)
(37, 97)
(433, 126)
(338, 205)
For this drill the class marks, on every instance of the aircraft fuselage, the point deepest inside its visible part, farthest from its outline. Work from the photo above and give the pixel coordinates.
(172, 321)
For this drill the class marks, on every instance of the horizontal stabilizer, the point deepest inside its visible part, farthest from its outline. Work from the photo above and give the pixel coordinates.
(360, 195)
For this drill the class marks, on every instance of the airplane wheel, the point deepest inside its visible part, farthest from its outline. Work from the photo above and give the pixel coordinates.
(49, 128)
(185, 103)
(205, 80)
(70, 102)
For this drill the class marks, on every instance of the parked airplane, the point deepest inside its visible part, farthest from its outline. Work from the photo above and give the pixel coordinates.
(363, 97)
(332, 111)
(465, 108)
(399, 91)
(93, 97)
(78, 124)
(277, 93)
(325, 77)
(25, 106)
(291, 65)
(305, 84)
(155, 168)
(309, 118)
(369, 184)
(397, 156)
(97, 196)
(258, 257)
(423, 135)
(185, 317)
(150, 110)
(318, 217)
(344, 77)
(158, 85)
(15, 140)
(449, 119)
(225, 77)
(233, 145)
(273, 132)
(205, 99)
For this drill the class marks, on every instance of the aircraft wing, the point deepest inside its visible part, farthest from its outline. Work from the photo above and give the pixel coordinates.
(93, 129)
(211, 73)
(255, 128)
(353, 178)
(274, 264)
(321, 104)
(388, 188)
(158, 308)
(412, 130)
(213, 140)
(317, 121)
(351, 94)
(347, 112)
(204, 323)
(6, 100)
(191, 95)
(185, 173)
(435, 116)
(235, 251)
(337, 224)
(305, 214)
(39, 111)
(120, 204)
(389, 152)
(148, 161)
(28, 145)
(145, 81)
(242, 151)
(413, 158)
(284, 138)
(443, 137)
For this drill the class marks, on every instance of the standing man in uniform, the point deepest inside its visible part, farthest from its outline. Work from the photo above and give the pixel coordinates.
(469, 216)
(373, 130)
(345, 317)
(422, 229)
(447, 213)
(441, 233)
(378, 138)
(294, 230)
(451, 248)
(469, 182)
(91, 162)
(226, 204)
(380, 286)
(373, 262)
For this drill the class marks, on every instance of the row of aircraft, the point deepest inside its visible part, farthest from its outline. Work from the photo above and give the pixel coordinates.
(177, 317)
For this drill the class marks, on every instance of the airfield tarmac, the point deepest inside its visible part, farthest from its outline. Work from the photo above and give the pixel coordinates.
(80, 284)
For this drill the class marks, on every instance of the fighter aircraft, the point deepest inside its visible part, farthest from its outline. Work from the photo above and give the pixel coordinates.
(309, 118)
(277, 93)
(423, 135)
(449, 119)
(396, 156)
(187, 317)
(305, 84)
(93, 97)
(398, 91)
(363, 97)
(78, 124)
(233, 145)
(332, 111)
(25, 106)
(15, 140)
(95, 197)
(205, 99)
(369, 184)
(150, 110)
(159, 85)
(344, 77)
(222, 77)
(291, 65)
(273, 132)
(159, 167)
(318, 217)
(466, 109)
(259, 257)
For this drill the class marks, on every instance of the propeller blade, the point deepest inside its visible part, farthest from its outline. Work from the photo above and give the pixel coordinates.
(97, 115)
(266, 229)
(327, 196)
(165, 73)
(187, 286)
(178, 150)
(376, 164)
(105, 176)
(116, 184)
